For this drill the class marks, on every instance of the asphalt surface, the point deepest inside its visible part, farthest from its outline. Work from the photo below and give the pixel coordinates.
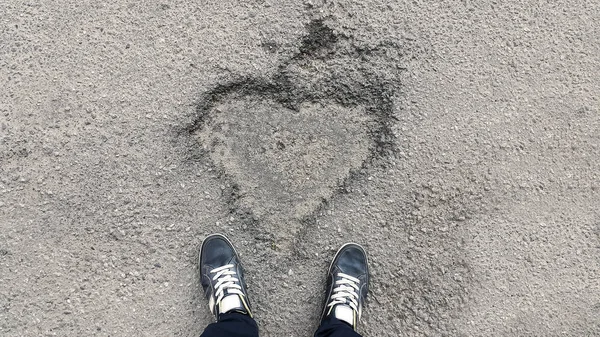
(458, 141)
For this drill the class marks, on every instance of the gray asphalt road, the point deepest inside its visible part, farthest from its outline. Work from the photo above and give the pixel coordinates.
(458, 141)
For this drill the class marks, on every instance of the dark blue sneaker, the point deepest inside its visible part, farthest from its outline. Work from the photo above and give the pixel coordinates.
(222, 277)
(347, 284)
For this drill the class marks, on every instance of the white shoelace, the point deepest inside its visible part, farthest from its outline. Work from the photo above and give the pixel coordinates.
(346, 292)
(226, 281)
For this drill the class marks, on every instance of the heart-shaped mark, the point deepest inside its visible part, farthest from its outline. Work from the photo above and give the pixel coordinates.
(286, 162)
(288, 142)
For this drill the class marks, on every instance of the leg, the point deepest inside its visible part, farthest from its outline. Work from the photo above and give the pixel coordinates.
(333, 327)
(232, 325)
(347, 288)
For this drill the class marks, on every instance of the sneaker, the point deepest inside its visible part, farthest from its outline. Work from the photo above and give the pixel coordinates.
(347, 284)
(222, 277)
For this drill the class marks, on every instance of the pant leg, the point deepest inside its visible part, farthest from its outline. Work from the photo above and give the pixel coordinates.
(333, 327)
(232, 325)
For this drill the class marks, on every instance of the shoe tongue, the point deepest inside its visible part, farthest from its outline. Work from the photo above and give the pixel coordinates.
(344, 313)
(229, 303)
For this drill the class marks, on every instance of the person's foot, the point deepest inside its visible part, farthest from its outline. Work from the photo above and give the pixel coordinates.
(222, 277)
(347, 284)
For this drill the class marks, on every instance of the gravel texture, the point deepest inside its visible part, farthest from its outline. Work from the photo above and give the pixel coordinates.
(458, 141)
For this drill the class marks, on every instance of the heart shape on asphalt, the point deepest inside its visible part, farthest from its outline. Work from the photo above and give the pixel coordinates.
(286, 143)
(286, 162)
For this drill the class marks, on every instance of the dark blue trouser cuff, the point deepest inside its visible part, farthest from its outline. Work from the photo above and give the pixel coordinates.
(239, 325)
(333, 327)
(232, 325)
